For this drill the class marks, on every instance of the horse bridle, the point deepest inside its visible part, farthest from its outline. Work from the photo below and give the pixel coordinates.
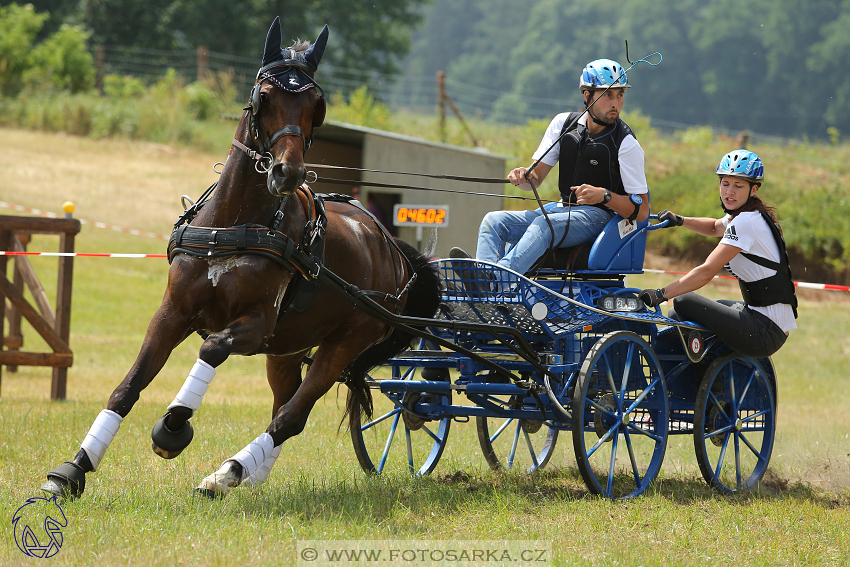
(261, 136)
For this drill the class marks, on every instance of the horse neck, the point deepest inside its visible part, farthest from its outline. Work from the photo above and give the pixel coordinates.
(241, 196)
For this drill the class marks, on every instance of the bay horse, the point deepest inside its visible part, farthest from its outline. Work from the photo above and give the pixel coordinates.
(243, 275)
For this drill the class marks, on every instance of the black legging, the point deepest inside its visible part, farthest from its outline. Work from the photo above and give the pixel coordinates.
(742, 329)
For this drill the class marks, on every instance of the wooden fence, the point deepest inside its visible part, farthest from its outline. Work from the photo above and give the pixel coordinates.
(54, 326)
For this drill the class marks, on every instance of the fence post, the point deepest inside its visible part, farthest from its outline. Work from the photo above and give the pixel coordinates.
(441, 103)
(100, 57)
(203, 62)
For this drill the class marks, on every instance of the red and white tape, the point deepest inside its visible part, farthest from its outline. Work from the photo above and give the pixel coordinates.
(80, 254)
(51, 215)
(808, 285)
(3, 204)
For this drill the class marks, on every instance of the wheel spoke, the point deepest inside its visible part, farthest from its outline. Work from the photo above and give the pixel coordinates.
(530, 448)
(608, 373)
(599, 408)
(409, 451)
(632, 456)
(738, 461)
(626, 369)
(643, 394)
(389, 443)
(732, 389)
(755, 451)
(755, 415)
(726, 429)
(431, 433)
(602, 440)
(612, 464)
(747, 387)
(717, 404)
(643, 431)
(722, 457)
(380, 419)
(502, 428)
(514, 443)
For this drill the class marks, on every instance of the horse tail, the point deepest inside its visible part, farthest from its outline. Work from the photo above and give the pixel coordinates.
(423, 299)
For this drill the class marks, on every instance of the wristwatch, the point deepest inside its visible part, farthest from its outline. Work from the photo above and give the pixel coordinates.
(638, 201)
(607, 197)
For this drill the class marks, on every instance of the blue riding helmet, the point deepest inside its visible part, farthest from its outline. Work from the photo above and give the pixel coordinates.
(742, 163)
(601, 73)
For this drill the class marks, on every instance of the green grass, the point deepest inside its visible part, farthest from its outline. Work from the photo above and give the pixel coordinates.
(139, 510)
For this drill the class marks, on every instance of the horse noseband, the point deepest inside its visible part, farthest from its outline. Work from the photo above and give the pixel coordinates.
(291, 131)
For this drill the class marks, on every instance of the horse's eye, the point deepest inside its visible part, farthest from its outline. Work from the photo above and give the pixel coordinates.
(264, 97)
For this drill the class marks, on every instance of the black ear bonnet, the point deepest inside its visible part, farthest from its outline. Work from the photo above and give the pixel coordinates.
(291, 70)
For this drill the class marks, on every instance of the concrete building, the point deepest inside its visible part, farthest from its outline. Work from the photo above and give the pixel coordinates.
(346, 145)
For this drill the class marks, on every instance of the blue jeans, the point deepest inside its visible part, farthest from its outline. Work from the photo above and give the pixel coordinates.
(530, 235)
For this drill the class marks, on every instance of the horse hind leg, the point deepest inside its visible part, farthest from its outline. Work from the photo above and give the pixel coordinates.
(254, 461)
(289, 420)
(284, 376)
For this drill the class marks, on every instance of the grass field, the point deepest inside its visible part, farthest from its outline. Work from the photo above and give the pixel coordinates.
(139, 510)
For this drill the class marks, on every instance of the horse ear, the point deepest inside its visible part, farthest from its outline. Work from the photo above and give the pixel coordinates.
(272, 51)
(314, 52)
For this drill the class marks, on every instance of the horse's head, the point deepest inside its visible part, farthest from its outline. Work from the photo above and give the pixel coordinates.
(286, 105)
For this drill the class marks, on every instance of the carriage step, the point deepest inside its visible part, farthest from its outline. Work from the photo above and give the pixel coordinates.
(544, 357)
(434, 387)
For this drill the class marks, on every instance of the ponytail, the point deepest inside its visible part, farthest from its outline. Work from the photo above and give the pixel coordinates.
(754, 203)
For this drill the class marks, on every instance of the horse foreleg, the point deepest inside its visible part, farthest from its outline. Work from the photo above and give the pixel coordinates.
(165, 332)
(173, 432)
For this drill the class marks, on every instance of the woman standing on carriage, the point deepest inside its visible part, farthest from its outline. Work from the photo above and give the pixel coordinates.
(752, 249)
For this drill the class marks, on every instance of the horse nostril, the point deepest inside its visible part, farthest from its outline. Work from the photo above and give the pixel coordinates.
(280, 172)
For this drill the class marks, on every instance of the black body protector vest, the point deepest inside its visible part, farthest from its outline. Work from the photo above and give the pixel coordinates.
(778, 288)
(591, 160)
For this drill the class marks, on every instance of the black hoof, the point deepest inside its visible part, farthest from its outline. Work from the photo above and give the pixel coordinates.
(207, 493)
(68, 480)
(167, 443)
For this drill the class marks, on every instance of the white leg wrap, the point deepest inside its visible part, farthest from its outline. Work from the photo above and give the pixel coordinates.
(100, 435)
(195, 386)
(260, 475)
(255, 454)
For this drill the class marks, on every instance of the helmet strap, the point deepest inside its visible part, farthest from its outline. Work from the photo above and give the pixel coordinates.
(590, 111)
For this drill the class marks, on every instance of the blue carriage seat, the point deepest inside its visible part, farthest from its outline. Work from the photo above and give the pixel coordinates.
(610, 254)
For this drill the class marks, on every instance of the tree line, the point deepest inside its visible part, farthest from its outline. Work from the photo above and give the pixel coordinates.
(774, 67)
(365, 34)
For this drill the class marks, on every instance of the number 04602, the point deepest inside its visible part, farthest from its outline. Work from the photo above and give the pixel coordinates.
(421, 215)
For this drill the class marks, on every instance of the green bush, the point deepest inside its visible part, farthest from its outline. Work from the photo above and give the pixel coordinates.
(200, 100)
(362, 109)
(122, 87)
(61, 62)
(18, 28)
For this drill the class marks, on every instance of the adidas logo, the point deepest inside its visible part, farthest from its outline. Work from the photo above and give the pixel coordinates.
(730, 233)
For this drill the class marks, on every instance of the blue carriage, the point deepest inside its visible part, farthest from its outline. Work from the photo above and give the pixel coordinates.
(572, 352)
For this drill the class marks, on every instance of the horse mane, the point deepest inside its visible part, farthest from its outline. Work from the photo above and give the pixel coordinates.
(300, 45)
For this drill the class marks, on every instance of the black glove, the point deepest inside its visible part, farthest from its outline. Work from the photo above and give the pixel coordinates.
(675, 220)
(652, 297)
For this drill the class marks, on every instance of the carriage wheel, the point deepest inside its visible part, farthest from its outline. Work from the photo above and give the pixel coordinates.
(735, 422)
(620, 416)
(396, 439)
(526, 444)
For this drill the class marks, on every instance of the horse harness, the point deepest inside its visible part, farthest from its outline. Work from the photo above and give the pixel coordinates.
(305, 258)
